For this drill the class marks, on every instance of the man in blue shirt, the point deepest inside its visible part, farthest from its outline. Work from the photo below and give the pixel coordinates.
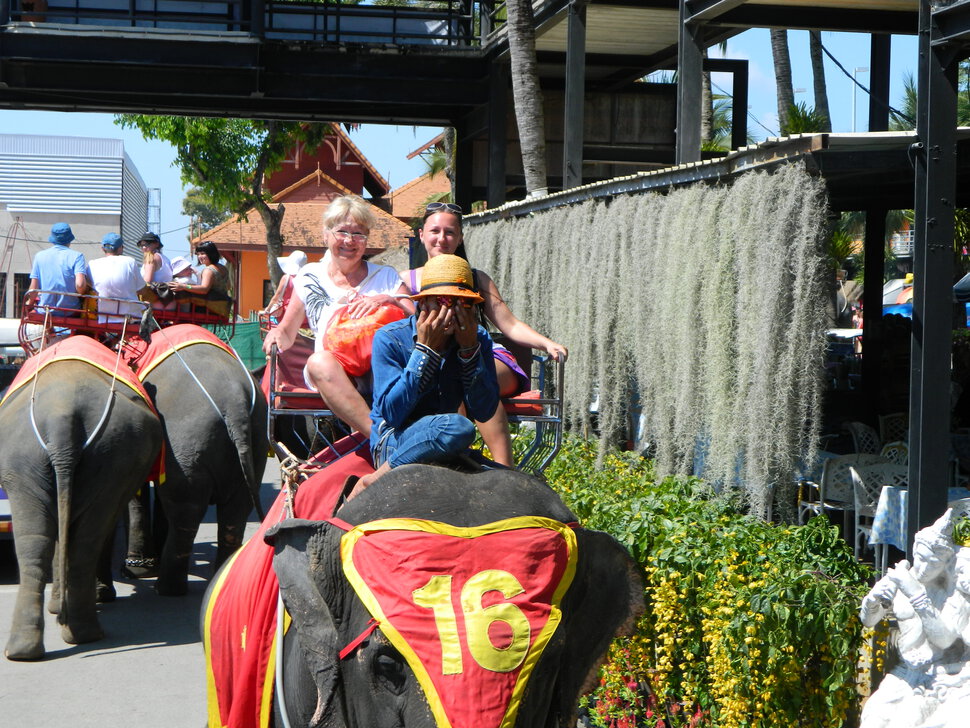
(60, 270)
(425, 366)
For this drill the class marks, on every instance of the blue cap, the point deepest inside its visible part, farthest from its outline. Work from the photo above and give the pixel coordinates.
(113, 241)
(60, 234)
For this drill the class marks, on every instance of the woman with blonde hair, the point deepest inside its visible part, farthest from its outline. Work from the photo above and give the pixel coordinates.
(343, 279)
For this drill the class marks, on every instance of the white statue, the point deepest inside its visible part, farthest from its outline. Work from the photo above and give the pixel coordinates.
(924, 601)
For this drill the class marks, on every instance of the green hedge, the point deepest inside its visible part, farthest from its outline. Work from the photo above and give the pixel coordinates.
(747, 623)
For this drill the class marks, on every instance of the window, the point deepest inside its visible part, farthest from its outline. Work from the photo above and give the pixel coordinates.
(21, 283)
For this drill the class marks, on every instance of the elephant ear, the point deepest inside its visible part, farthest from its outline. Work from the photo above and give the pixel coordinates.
(604, 602)
(298, 543)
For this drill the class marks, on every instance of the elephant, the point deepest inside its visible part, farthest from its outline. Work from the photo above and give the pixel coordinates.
(371, 683)
(79, 437)
(214, 419)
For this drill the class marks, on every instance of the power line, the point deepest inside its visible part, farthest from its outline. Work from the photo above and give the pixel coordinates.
(885, 105)
(748, 111)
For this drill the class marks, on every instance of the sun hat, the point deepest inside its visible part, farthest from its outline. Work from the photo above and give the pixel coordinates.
(448, 275)
(112, 241)
(60, 234)
(179, 264)
(150, 237)
(292, 263)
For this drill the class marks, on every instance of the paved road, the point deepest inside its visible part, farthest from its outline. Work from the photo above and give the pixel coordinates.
(149, 670)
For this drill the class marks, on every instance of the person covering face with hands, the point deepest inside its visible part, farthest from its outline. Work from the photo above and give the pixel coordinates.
(425, 367)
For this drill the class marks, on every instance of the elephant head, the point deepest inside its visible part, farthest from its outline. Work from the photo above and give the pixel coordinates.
(358, 672)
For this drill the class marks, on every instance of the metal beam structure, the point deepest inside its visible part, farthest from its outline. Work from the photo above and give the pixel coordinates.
(690, 58)
(930, 346)
(572, 148)
(880, 48)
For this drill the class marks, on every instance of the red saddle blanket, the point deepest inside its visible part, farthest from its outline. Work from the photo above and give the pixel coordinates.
(169, 340)
(239, 630)
(86, 349)
(80, 348)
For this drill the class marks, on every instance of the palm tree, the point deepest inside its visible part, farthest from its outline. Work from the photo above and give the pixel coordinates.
(818, 77)
(526, 95)
(786, 95)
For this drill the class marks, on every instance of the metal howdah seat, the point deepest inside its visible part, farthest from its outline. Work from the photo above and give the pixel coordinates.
(538, 412)
(42, 324)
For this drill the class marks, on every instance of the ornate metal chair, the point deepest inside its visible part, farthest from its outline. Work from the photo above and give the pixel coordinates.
(896, 452)
(865, 439)
(893, 427)
(867, 483)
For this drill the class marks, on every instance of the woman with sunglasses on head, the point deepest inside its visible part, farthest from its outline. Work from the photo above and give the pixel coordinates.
(342, 279)
(441, 233)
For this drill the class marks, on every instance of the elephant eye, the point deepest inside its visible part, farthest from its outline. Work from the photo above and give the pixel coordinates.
(389, 672)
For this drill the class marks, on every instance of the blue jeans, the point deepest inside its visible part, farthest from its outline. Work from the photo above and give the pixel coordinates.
(427, 440)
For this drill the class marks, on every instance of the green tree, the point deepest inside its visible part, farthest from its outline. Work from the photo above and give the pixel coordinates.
(228, 159)
(803, 120)
(783, 85)
(526, 95)
(818, 78)
(202, 212)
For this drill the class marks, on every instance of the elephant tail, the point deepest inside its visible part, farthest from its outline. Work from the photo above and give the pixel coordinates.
(245, 451)
(64, 467)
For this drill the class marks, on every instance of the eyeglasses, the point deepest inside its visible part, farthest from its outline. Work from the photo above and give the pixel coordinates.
(439, 206)
(347, 235)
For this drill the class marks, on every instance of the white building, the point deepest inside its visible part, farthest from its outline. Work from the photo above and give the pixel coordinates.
(89, 183)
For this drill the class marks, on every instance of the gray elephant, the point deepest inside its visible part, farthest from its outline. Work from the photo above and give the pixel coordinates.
(341, 671)
(79, 437)
(214, 418)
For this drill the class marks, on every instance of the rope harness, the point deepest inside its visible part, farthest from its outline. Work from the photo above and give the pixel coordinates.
(108, 400)
(248, 376)
(291, 477)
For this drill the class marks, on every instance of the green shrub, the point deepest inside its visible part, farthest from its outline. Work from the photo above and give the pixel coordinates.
(748, 624)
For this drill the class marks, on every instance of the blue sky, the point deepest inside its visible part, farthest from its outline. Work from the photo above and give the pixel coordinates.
(388, 146)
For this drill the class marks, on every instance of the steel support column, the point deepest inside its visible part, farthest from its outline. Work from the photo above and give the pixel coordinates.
(572, 148)
(498, 94)
(689, 83)
(879, 65)
(929, 397)
(872, 330)
(464, 152)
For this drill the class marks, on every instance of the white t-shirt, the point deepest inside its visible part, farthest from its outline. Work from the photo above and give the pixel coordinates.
(322, 298)
(116, 276)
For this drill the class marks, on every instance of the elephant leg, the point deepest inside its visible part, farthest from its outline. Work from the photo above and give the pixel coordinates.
(141, 561)
(105, 589)
(34, 543)
(231, 519)
(79, 613)
(183, 524)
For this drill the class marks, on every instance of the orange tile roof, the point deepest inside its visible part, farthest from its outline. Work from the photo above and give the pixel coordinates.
(408, 200)
(301, 226)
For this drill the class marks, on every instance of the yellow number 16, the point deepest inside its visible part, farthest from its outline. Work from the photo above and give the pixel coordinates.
(436, 596)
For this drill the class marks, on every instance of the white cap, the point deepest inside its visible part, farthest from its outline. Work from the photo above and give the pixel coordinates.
(179, 264)
(292, 263)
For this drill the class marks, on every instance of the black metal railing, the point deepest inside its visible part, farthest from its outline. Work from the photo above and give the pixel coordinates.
(445, 23)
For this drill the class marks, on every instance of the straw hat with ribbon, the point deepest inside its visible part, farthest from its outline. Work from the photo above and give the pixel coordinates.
(448, 275)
